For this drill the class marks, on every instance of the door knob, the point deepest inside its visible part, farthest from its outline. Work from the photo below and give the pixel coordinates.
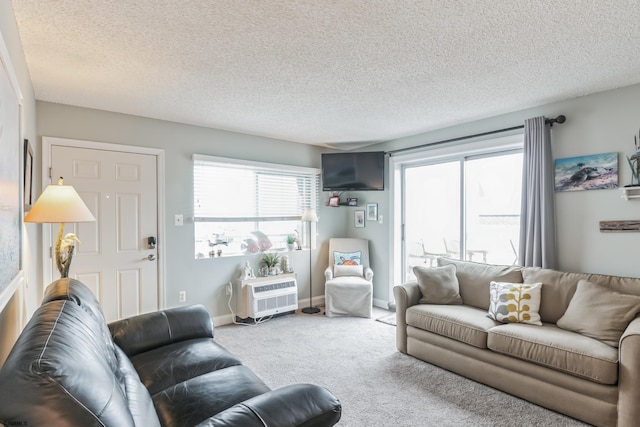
(151, 257)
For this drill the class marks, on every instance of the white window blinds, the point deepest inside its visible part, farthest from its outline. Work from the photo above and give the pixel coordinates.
(236, 190)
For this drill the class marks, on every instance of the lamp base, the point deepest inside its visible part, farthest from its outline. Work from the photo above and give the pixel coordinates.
(311, 310)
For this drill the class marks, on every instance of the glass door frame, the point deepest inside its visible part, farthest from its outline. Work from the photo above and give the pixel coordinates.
(459, 150)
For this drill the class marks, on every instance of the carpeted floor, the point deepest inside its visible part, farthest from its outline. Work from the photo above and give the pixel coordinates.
(389, 319)
(357, 360)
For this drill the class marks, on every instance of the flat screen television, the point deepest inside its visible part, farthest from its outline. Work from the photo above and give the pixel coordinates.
(353, 171)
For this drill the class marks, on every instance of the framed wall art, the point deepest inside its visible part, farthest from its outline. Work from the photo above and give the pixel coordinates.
(358, 218)
(10, 179)
(594, 172)
(28, 176)
(372, 211)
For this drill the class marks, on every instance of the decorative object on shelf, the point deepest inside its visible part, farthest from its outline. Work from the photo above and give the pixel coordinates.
(634, 163)
(334, 201)
(630, 192)
(298, 241)
(358, 218)
(619, 226)
(285, 264)
(352, 201)
(291, 242)
(372, 211)
(247, 272)
(60, 203)
(310, 216)
(263, 243)
(271, 260)
(595, 172)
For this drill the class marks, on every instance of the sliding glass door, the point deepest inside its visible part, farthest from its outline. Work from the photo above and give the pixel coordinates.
(466, 208)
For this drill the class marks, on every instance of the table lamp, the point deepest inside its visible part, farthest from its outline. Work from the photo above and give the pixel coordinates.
(60, 203)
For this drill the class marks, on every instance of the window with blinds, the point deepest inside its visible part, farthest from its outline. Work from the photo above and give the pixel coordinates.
(247, 207)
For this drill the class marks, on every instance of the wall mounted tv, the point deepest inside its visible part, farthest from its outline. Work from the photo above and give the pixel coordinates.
(361, 171)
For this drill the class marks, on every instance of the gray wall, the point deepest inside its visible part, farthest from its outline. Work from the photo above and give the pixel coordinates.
(24, 300)
(599, 123)
(203, 280)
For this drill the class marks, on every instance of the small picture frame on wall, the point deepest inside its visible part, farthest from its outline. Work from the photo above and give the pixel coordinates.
(352, 201)
(334, 201)
(358, 219)
(28, 176)
(372, 211)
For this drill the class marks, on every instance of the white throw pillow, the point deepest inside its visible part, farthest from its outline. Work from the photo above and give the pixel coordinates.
(515, 302)
(347, 270)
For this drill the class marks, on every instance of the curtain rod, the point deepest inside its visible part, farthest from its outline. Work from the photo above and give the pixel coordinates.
(560, 119)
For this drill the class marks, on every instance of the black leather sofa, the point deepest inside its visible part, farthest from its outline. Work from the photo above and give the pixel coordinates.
(69, 368)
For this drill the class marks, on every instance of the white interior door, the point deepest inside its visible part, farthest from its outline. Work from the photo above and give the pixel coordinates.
(114, 257)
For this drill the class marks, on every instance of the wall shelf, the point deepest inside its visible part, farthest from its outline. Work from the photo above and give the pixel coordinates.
(630, 192)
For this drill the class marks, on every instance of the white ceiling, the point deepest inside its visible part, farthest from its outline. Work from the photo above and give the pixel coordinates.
(326, 72)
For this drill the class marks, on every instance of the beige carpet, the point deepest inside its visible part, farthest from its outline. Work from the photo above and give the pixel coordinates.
(357, 360)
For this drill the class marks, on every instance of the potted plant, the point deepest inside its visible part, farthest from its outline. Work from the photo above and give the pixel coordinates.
(291, 241)
(270, 260)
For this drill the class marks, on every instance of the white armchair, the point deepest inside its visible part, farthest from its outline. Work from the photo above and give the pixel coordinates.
(349, 288)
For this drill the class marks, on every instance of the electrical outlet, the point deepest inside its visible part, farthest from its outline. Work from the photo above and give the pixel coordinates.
(182, 296)
(228, 289)
(178, 220)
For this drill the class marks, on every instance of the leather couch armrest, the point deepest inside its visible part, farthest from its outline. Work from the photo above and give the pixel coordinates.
(145, 332)
(629, 375)
(294, 405)
(328, 274)
(406, 295)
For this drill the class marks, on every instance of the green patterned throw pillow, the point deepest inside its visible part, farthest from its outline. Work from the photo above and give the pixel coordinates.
(515, 302)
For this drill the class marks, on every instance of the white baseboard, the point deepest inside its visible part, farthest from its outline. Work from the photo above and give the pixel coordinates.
(381, 303)
(318, 301)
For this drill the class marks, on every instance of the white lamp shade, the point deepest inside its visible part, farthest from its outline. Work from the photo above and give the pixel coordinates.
(59, 203)
(309, 215)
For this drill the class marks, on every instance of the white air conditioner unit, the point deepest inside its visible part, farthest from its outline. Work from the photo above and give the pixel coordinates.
(265, 296)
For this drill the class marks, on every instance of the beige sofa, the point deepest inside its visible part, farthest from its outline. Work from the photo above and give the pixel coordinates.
(560, 369)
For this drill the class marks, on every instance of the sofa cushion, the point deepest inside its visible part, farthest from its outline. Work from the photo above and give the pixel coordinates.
(171, 364)
(474, 279)
(515, 302)
(459, 322)
(348, 270)
(197, 399)
(138, 398)
(550, 346)
(560, 286)
(438, 285)
(347, 258)
(599, 312)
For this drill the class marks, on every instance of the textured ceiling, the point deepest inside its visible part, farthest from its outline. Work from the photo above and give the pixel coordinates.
(328, 72)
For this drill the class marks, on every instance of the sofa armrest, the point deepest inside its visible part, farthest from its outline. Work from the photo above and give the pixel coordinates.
(145, 332)
(406, 295)
(328, 274)
(294, 405)
(629, 375)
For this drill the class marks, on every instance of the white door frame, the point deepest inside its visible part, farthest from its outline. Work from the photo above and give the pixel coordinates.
(47, 244)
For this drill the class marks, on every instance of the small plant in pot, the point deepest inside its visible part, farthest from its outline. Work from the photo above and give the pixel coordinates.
(270, 260)
(291, 241)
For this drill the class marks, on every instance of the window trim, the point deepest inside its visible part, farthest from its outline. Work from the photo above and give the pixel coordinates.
(256, 165)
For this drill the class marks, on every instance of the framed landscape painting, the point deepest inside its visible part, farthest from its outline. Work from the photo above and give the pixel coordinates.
(594, 172)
